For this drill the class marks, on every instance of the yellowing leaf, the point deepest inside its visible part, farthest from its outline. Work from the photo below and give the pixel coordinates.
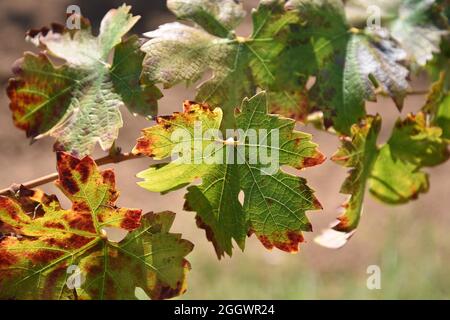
(438, 104)
(359, 154)
(397, 176)
(274, 202)
(393, 172)
(51, 242)
(78, 102)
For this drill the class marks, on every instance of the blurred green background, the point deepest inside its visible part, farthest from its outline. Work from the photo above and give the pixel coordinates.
(410, 243)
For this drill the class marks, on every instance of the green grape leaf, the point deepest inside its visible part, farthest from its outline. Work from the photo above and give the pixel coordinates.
(48, 241)
(140, 98)
(392, 172)
(78, 102)
(274, 202)
(350, 65)
(179, 53)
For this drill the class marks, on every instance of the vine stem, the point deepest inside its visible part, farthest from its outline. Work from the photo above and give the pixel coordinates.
(418, 92)
(111, 158)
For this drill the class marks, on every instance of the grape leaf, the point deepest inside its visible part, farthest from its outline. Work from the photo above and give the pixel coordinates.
(350, 65)
(438, 104)
(35, 263)
(417, 25)
(274, 202)
(359, 154)
(419, 28)
(78, 102)
(397, 176)
(292, 103)
(393, 172)
(140, 98)
(180, 53)
(216, 17)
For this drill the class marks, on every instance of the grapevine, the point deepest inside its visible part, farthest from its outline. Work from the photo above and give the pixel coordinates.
(305, 63)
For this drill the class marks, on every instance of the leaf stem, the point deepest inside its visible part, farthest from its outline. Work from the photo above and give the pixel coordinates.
(111, 158)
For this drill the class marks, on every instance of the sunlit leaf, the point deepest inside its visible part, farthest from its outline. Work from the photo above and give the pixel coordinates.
(274, 202)
(78, 102)
(351, 65)
(397, 176)
(50, 243)
(181, 53)
(438, 104)
(393, 172)
(216, 17)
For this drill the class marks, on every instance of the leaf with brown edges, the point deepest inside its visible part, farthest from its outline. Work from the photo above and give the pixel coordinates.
(78, 102)
(275, 201)
(48, 241)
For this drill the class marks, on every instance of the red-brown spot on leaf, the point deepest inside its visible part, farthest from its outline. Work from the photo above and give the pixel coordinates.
(308, 227)
(317, 204)
(67, 181)
(414, 193)
(82, 222)
(53, 225)
(67, 161)
(209, 235)
(132, 220)
(7, 259)
(109, 177)
(51, 281)
(80, 206)
(85, 170)
(77, 241)
(295, 238)
(187, 105)
(343, 224)
(8, 205)
(265, 242)
(313, 161)
(44, 256)
(143, 146)
(165, 291)
(73, 242)
(286, 242)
